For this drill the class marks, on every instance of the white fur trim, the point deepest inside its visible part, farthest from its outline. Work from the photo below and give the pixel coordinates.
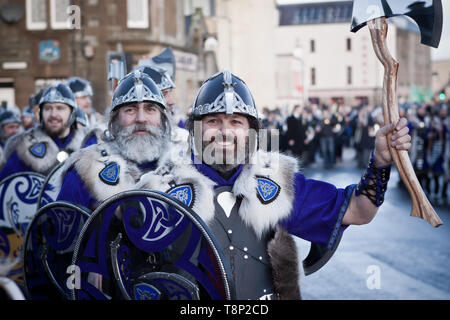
(23, 142)
(277, 167)
(261, 217)
(89, 162)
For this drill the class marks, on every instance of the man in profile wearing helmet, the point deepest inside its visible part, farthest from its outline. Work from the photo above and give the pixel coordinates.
(253, 200)
(28, 117)
(83, 92)
(138, 133)
(165, 83)
(43, 147)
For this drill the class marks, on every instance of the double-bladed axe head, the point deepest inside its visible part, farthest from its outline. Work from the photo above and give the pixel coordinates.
(426, 13)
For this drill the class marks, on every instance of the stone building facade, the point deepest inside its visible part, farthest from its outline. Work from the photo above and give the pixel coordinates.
(57, 39)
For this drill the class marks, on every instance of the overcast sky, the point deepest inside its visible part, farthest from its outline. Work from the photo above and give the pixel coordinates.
(441, 53)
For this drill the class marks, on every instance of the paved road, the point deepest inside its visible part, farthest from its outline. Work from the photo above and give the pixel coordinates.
(394, 257)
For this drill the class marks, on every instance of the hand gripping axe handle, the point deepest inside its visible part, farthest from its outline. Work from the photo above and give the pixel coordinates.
(428, 16)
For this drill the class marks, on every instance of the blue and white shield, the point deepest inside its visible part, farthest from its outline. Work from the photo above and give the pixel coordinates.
(51, 187)
(18, 205)
(48, 250)
(145, 244)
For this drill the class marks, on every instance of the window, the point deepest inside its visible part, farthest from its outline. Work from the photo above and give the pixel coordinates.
(36, 14)
(137, 14)
(59, 15)
(313, 46)
(208, 7)
(44, 83)
(349, 75)
(313, 76)
(349, 44)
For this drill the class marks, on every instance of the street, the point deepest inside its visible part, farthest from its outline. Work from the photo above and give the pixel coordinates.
(396, 256)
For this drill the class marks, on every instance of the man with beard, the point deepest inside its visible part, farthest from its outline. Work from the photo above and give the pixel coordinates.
(253, 200)
(41, 148)
(165, 83)
(136, 137)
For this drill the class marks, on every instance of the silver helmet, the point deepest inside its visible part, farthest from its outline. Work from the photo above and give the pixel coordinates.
(80, 87)
(59, 92)
(137, 87)
(224, 93)
(160, 76)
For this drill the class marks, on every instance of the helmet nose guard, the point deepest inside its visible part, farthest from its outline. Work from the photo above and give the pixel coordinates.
(137, 87)
(160, 76)
(224, 93)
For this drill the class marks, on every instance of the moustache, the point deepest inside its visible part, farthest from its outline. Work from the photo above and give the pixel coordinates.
(54, 119)
(150, 129)
(221, 138)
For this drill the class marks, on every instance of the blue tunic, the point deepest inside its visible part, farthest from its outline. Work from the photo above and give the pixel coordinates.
(317, 211)
(316, 216)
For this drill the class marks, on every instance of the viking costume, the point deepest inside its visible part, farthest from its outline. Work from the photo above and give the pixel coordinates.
(82, 88)
(34, 150)
(253, 213)
(94, 174)
(164, 80)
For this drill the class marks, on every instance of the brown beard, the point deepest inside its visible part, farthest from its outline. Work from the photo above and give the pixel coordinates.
(55, 133)
(229, 159)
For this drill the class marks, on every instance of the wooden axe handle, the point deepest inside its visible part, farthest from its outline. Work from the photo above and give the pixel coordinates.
(421, 207)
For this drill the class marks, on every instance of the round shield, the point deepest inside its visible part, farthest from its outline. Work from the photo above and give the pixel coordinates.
(48, 249)
(145, 245)
(18, 204)
(51, 187)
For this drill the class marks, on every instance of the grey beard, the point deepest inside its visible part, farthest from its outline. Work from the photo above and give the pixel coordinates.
(141, 148)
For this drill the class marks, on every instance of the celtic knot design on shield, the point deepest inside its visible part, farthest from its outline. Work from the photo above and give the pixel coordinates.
(110, 174)
(184, 193)
(267, 190)
(64, 224)
(28, 189)
(161, 224)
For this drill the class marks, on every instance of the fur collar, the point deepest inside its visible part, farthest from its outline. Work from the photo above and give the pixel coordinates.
(90, 161)
(278, 168)
(261, 217)
(22, 143)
